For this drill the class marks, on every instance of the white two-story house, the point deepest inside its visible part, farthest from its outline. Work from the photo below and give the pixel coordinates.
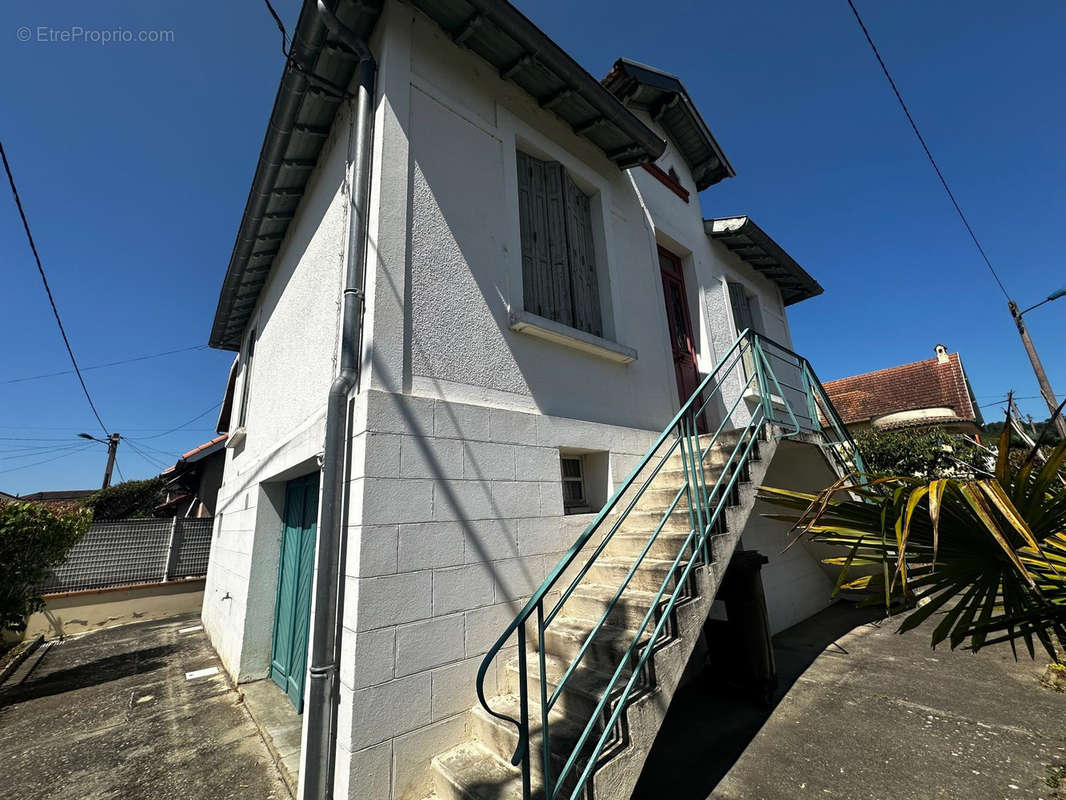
(472, 288)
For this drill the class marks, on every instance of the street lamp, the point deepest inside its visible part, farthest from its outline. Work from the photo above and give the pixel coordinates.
(1034, 359)
(112, 448)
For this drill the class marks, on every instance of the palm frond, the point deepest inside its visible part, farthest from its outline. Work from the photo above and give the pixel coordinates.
(987, 555)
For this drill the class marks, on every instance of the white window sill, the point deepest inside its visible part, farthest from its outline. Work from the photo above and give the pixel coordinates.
(551, 331)
(236, 437)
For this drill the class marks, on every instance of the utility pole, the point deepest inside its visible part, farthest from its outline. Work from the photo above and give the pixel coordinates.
(112, 449)
(111, 441)
(1038, 367)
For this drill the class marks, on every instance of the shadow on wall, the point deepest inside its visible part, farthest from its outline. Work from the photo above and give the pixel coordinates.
(711, 723)
(458, 290)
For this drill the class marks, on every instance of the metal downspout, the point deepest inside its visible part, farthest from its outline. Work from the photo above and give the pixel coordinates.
(322, 695)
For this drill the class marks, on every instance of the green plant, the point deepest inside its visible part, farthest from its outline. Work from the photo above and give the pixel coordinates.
(34, 538)
(923, 453)
(127, 499)
(988, 553)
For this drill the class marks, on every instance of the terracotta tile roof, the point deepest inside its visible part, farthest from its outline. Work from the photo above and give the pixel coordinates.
(205, 445)
(195, 450)
(923, 384)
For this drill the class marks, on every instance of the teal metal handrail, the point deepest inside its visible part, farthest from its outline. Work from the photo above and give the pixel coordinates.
(743, 372)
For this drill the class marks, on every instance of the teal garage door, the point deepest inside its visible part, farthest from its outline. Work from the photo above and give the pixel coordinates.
(292, 613)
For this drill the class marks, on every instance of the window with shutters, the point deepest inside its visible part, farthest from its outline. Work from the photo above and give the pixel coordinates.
(744, 319)
(743, 313)
(558, 253)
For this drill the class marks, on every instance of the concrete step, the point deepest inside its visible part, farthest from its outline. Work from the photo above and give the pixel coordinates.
(501, 737)
(648, 521)
(611, 571)
(565, 637)
(630, 544)
(659, 500)
(589, 602)
(580, 695)
(470, 771)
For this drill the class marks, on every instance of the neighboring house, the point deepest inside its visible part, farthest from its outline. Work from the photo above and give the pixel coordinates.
(924, 394)
(542, 294)
(192, 483)
(6, 496)
(59, 497)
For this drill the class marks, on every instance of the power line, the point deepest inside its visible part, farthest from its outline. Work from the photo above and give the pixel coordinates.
(925, 147)
(155, 464)
(48, 289)
(41, 451)
(109, 364)
(281, 27)
(169, 454)
(179, 427)
(1003, 400)
(47, 460)
(28, 428)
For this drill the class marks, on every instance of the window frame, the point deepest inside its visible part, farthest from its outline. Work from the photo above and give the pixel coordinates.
(246, 378)
(574, 506)
(557, 244)
(516, 133)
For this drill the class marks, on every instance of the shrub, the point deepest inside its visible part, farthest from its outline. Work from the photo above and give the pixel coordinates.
(925, 453)
(127, 499)
(34, 538)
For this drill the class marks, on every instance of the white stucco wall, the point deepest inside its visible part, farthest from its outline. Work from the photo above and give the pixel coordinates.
(795, 583)
(296, 321)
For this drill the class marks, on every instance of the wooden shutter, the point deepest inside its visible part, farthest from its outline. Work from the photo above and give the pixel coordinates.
(584, 291)
(558, 252)
(742, 315)
(545, 270)
(534, 241)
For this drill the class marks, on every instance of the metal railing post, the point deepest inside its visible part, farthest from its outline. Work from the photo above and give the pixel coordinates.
(523, 713)
(173, 548)
(544, 707)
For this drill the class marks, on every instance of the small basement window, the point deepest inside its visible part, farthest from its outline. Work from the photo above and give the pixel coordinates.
(573, 473)
(585, 478)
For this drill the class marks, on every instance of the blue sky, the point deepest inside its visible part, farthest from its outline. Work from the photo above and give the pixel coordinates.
(134, 162)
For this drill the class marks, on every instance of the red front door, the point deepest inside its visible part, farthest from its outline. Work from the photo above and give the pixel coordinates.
(682, 342)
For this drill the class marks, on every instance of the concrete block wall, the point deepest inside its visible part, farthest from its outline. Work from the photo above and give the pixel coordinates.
(460, 519)
(242, 571)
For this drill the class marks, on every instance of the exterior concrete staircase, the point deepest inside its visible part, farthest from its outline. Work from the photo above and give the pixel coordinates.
(586, 671)
(481, 769)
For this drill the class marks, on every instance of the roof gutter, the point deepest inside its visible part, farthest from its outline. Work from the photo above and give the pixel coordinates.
(308, 39)
(319, 757)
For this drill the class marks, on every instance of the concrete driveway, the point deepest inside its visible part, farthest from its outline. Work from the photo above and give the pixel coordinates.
(867, 713)
(113, 714)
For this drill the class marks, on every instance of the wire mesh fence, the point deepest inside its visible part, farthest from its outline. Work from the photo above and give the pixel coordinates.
(133, 551)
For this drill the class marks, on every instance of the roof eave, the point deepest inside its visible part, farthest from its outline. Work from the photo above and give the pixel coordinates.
(575, 96)
(753, 245)
(624, 79)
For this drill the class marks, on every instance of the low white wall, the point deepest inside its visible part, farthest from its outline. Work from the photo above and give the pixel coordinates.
(79, 612)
